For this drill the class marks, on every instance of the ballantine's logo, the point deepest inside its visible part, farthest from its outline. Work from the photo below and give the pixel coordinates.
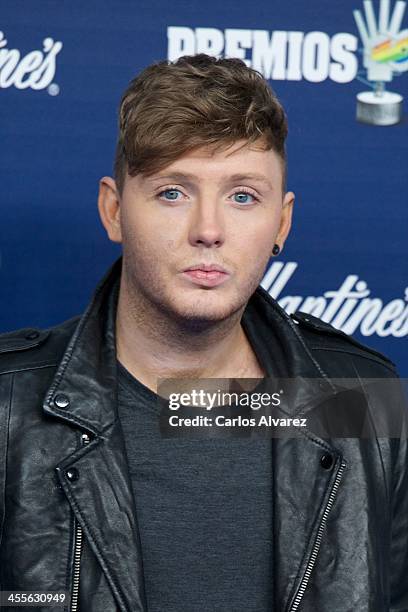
(35, 70)
(348, 308)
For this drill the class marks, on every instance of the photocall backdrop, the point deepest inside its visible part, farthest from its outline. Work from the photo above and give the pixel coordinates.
(339, 69)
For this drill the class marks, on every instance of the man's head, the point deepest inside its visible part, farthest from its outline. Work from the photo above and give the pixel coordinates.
(200, 173)
(170, 109)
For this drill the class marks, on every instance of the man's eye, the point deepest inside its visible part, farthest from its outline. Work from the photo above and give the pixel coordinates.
(243, 197)
(170, 194)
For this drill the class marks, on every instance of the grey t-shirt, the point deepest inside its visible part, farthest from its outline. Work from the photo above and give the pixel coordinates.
(204, 510)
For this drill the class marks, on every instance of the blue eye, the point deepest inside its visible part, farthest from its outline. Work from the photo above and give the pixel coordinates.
(171, 194)
(243, 197)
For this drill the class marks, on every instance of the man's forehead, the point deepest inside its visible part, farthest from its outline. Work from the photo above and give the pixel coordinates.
(226, 151)
(223, 177)
(229, 165)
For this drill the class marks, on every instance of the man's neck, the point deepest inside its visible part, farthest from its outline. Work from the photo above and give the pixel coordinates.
(151, 346)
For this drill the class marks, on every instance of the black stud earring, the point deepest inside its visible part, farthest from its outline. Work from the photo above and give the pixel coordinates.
(276, 249)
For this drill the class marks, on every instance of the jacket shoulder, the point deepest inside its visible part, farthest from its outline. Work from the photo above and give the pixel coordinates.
(323, 335)
(30, 347)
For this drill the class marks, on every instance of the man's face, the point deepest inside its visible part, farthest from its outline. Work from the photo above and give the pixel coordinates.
(198, 234)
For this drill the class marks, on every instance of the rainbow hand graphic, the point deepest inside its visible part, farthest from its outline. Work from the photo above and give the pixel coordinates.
(385, 55)
(385, 47)
(392, 51)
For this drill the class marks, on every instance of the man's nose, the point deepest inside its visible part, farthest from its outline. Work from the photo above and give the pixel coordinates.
(207, 226)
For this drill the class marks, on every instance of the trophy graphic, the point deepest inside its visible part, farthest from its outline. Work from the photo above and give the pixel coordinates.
(385, 56)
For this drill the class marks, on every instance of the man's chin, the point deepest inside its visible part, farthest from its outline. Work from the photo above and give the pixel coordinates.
(203, 315)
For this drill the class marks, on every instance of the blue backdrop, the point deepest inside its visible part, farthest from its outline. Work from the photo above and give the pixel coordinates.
(63, 67)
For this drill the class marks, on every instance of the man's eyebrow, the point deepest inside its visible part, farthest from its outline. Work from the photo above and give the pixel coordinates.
(173, 176)
(252, 176)
(234, 178)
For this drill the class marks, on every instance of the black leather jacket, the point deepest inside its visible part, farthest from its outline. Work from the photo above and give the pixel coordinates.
(67, 512)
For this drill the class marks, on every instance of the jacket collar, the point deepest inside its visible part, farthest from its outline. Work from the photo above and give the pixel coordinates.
(86, 375)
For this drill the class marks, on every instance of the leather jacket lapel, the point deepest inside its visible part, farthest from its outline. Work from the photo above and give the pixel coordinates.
(307, 470)
(303, 494)
(102, 501)
(83, 393)
(86, 376)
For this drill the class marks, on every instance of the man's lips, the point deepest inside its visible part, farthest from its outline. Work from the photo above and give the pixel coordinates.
(208, 275)
(206, 268)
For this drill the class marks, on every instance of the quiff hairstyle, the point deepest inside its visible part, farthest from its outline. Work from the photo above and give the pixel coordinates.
(170, 109)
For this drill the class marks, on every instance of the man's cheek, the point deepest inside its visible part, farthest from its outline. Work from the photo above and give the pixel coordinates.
(170, 245)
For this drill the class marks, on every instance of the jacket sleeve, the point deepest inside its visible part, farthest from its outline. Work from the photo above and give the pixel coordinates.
(5, 399)
(399, 530)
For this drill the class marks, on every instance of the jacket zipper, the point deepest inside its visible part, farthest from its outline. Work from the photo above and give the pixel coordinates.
(318, 540)
(77, 551)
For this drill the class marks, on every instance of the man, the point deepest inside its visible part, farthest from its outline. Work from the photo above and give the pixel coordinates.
(94, 501)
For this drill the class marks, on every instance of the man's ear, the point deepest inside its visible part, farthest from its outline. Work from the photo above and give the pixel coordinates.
(286, 218)
(109, 208)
